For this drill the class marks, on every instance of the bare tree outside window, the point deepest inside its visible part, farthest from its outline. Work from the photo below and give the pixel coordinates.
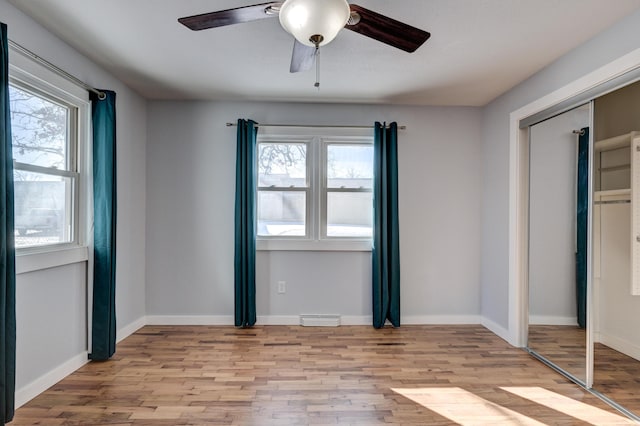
(282, 159)
(40, 149)
(39, 130)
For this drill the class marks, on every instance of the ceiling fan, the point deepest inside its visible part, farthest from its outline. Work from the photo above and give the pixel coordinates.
(315, 23)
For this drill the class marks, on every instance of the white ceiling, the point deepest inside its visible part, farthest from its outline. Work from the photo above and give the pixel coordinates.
(478, 49)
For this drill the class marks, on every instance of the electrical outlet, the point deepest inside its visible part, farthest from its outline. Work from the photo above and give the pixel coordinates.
(282, 287)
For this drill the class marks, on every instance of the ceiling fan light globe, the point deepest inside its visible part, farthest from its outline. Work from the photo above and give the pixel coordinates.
(307, 18)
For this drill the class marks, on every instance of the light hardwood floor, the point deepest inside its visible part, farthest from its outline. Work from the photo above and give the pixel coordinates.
(286, 375)
(616, 375)
(564, 345)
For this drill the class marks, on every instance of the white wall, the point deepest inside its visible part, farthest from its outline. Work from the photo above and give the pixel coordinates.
(190, 210)
(50, 320)
(602, 49)
(51, 307)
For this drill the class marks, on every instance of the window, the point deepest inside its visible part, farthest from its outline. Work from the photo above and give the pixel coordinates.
(283, 189)
(45, 172)
(346, 191)
(46, 126)
(317, 189)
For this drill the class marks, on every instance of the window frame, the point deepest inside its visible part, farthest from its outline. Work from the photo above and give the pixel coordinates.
(315, 238)
(27, 74)
(307, 189)
(70, 169)
(325, 190)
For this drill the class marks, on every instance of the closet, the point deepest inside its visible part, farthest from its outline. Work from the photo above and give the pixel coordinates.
(593, 149)
(616, 243)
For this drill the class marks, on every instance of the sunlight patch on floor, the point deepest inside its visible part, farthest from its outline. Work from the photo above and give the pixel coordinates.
(568, 406)
(464, 407)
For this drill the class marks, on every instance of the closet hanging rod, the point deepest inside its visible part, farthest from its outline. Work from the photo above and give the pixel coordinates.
(315, 126)
(55, 69)
(613, 202)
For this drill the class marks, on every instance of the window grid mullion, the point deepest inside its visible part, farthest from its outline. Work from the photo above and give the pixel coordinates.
(349, 190)
(315, 202)
(323, 188)
(44, 170)
(283, 188)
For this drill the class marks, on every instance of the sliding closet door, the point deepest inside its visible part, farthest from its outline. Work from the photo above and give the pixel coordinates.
(616, 302)
(556, 333)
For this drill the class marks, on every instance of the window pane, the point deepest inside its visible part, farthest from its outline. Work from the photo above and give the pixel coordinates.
(349, 214)
(281, 213)
(349, 166)
(42, 209)
(282, 164)
(39, 130)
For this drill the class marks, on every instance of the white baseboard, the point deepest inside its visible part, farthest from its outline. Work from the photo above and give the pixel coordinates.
(278, 320)
(552, 320)
(295, 319)
(229, 320)
(129, 329)
(356, 320)
(44, 382)
(621, 345)
(496, 329)
(189, 320)
(439, 319)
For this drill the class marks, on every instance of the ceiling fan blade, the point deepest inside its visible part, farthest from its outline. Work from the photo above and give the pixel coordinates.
(303, 57)
(231, 16)
(387, 30)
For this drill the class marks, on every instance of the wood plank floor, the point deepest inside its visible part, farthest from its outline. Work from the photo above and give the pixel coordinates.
(616, 375)
(564, 345)
(286, 375)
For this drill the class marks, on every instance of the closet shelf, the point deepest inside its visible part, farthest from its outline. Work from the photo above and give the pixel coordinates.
(615, 142)
(612, 192)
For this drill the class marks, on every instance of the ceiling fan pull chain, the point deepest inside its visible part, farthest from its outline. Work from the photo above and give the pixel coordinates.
(317, 84)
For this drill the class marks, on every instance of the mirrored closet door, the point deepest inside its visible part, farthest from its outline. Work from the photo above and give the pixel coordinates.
(557, 273)
(583, 274)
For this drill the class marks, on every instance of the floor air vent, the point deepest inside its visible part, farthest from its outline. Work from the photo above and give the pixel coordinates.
(320, 320)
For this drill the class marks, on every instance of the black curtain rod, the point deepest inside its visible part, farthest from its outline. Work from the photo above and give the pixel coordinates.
(320, 126)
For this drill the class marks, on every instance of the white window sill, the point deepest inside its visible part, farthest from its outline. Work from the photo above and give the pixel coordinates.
(311, 245)
(27, 261)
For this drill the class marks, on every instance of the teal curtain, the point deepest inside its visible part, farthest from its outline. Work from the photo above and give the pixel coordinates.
(7, 244)
(245, 229)
(386, 242)
(103, 327)
(582, 226)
